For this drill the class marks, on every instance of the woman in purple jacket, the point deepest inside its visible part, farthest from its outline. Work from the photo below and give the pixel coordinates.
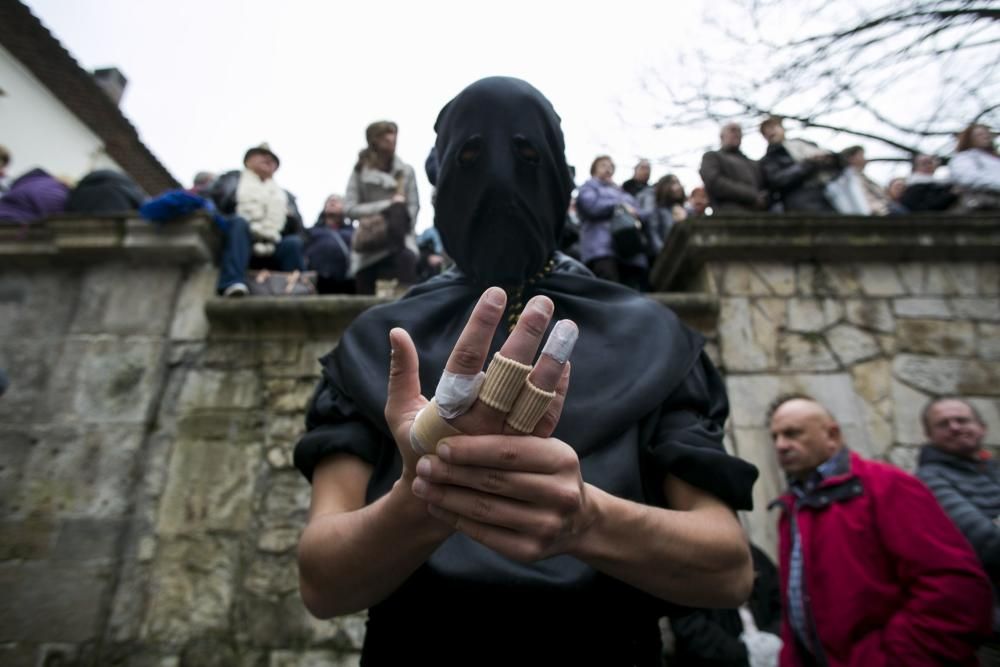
(596, 203)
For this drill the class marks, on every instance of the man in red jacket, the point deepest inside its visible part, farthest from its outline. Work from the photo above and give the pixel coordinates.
(872, 571)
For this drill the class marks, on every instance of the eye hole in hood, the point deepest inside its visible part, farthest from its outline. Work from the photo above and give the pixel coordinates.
(525, 150)
(470, 151)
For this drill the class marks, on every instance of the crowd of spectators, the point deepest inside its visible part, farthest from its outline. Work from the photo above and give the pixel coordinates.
(793, 176)
(364, 240)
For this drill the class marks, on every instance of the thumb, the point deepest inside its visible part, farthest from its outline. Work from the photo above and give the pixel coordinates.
(404, 380)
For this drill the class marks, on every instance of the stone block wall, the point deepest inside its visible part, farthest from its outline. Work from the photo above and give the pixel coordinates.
(149, 511)
(87, 355)
(873, 341)
(210, 574)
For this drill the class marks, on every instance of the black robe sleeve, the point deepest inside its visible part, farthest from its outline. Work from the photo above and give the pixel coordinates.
(687, 441)
(334, 426)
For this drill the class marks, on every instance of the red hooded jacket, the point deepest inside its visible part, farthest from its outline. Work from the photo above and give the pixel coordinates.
(887, 577)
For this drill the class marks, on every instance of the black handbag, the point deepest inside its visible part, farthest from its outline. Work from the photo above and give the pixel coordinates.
(626, 233)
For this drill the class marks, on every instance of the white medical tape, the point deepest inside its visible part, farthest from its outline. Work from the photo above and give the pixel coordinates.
(561, 341)
(456, 393)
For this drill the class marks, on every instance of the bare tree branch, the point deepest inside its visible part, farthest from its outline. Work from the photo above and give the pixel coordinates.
(851, 77)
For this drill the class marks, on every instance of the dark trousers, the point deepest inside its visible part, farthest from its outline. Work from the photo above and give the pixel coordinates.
(401, 265)
(330, 259)
(237, 243)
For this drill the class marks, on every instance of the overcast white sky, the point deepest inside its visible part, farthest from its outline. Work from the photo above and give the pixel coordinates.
(207, 80)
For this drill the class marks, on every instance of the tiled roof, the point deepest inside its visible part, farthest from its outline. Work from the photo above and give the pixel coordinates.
(24, 36)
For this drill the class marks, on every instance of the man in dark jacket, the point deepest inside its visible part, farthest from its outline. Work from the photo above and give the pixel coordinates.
(963, 476)
(924, 192)
(733, 181)
(639, 180)
(105, 191)
(796, 171)
(873, 572)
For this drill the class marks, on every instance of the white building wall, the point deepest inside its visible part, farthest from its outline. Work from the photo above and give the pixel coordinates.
(40, 131)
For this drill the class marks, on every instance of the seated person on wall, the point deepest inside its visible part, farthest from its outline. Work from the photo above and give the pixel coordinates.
(975, 169)
(33, 196)
(202, 184)
(923, 190)
(796, 171)
(873, 572)
(103, 192)
(964, 477)
(559, 539)
(265, 230)
(732, 180)
(382, 184)
(328, 248)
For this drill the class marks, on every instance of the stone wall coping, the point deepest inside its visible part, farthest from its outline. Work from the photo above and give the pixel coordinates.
(88, 239)
(834, 238)
(319, 316)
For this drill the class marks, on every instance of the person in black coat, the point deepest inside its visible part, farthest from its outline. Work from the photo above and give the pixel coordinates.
(328, 248)
(795, 171)
(924, 192)
(105, 191)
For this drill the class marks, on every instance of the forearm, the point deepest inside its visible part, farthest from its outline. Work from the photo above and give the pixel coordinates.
(698, 557)
(357, 210)
(349, 561)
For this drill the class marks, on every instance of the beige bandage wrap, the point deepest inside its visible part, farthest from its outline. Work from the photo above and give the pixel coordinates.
(429, 428)
(504, 381)
(529, 407)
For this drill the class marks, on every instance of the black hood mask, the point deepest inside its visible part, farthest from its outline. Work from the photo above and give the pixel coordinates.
(503, 183)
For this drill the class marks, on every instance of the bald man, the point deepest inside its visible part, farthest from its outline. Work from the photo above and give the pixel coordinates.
(872, 570)
(733, 181)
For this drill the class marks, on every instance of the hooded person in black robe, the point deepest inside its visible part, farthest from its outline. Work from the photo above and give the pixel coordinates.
(644, 403)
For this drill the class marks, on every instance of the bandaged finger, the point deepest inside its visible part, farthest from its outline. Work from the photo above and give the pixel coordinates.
(429, 428)
(504, 380)
(561, 341)
(530, 406)
(456, 393)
